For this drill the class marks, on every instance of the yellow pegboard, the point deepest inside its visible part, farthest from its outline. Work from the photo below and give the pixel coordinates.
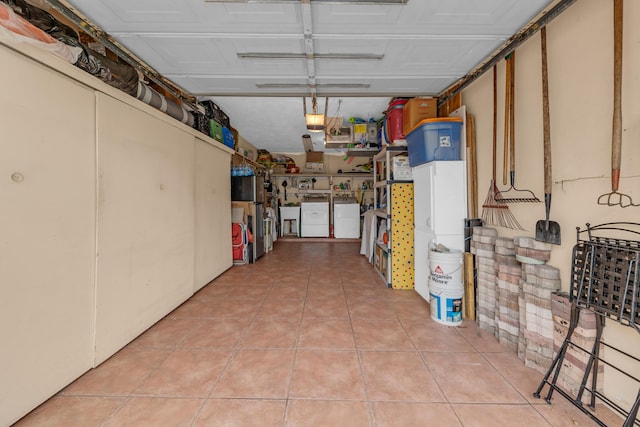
(402, 268)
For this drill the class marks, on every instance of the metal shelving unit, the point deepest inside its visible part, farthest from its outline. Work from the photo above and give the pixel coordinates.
(393, 204)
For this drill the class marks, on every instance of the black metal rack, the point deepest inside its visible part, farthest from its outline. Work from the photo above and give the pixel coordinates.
(604, 280)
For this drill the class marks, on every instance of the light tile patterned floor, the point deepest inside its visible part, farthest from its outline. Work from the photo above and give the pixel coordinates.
(307, 336)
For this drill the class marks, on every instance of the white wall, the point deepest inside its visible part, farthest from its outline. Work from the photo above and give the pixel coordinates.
(580, 63)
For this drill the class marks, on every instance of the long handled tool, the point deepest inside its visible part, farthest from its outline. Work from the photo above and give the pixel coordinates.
(512, 194)
(546, 231)
(614, 198)
(472, 170)
(494, 212)
(469, 306)
(507, 115)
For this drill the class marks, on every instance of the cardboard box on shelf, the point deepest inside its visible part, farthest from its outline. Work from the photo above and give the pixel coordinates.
(416, 110)
(315, 162)
(315, 156)
(401, 168)
(314, 167)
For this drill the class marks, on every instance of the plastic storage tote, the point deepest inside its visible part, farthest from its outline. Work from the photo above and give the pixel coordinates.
(434, 139)
(393, 121)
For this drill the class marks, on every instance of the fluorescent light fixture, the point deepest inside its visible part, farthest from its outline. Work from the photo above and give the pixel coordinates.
(318, 85)
(345, 56)
(377, 2)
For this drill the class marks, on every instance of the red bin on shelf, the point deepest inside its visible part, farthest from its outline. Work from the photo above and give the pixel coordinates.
(393, 120)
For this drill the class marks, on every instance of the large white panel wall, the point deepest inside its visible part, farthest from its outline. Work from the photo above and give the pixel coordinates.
(101, 199)
(145, 222)
(47, 233)
(213, 252)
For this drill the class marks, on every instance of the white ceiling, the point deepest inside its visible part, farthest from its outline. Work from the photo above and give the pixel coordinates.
(426, 45)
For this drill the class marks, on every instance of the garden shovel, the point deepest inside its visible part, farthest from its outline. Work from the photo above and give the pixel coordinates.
(546, 231)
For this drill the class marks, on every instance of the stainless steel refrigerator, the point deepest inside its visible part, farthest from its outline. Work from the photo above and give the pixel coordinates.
(251, 189)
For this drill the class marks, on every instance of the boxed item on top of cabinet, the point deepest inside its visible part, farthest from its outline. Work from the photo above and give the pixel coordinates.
(416, 110)
(315, 156)
(314, 162)
(227, 137)
(314, 167)
(401, 169)
(214, 112)
(435, 139)
(215, 131)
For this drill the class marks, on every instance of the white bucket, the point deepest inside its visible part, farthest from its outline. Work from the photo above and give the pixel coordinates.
(446, 306)
(445, 287)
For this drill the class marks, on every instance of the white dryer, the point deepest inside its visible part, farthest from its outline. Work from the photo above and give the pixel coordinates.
(314, 217)
(346, 218)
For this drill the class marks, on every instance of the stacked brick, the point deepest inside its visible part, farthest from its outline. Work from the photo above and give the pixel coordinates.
(508, 292)
(575, 362)
(529, 250)
(514, 294)
(539, 282)
(483, 247)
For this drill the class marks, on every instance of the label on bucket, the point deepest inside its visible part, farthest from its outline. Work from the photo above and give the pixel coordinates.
(440, 277)
(445, 270)
(446, 310)
(445, 141)
(454, 309)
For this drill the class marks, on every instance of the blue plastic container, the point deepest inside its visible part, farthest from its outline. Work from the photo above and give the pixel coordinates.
(434, 139)
(227, 138)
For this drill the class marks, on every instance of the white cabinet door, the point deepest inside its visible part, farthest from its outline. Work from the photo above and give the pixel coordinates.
(213, 251)
(440, 196)
(47, 243)
(440, 207)
(423, 195)
(145, 220)
(449, 197)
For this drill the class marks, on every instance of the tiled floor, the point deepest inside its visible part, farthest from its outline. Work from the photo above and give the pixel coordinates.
(308, 336)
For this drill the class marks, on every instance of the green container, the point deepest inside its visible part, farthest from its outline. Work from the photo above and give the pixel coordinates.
(216, 131)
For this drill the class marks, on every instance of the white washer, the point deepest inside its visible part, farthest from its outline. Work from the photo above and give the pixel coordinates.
(346, 218)
(314, 217)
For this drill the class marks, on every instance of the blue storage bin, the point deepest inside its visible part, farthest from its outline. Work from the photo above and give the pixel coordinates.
(227, 138)
(434, 139)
